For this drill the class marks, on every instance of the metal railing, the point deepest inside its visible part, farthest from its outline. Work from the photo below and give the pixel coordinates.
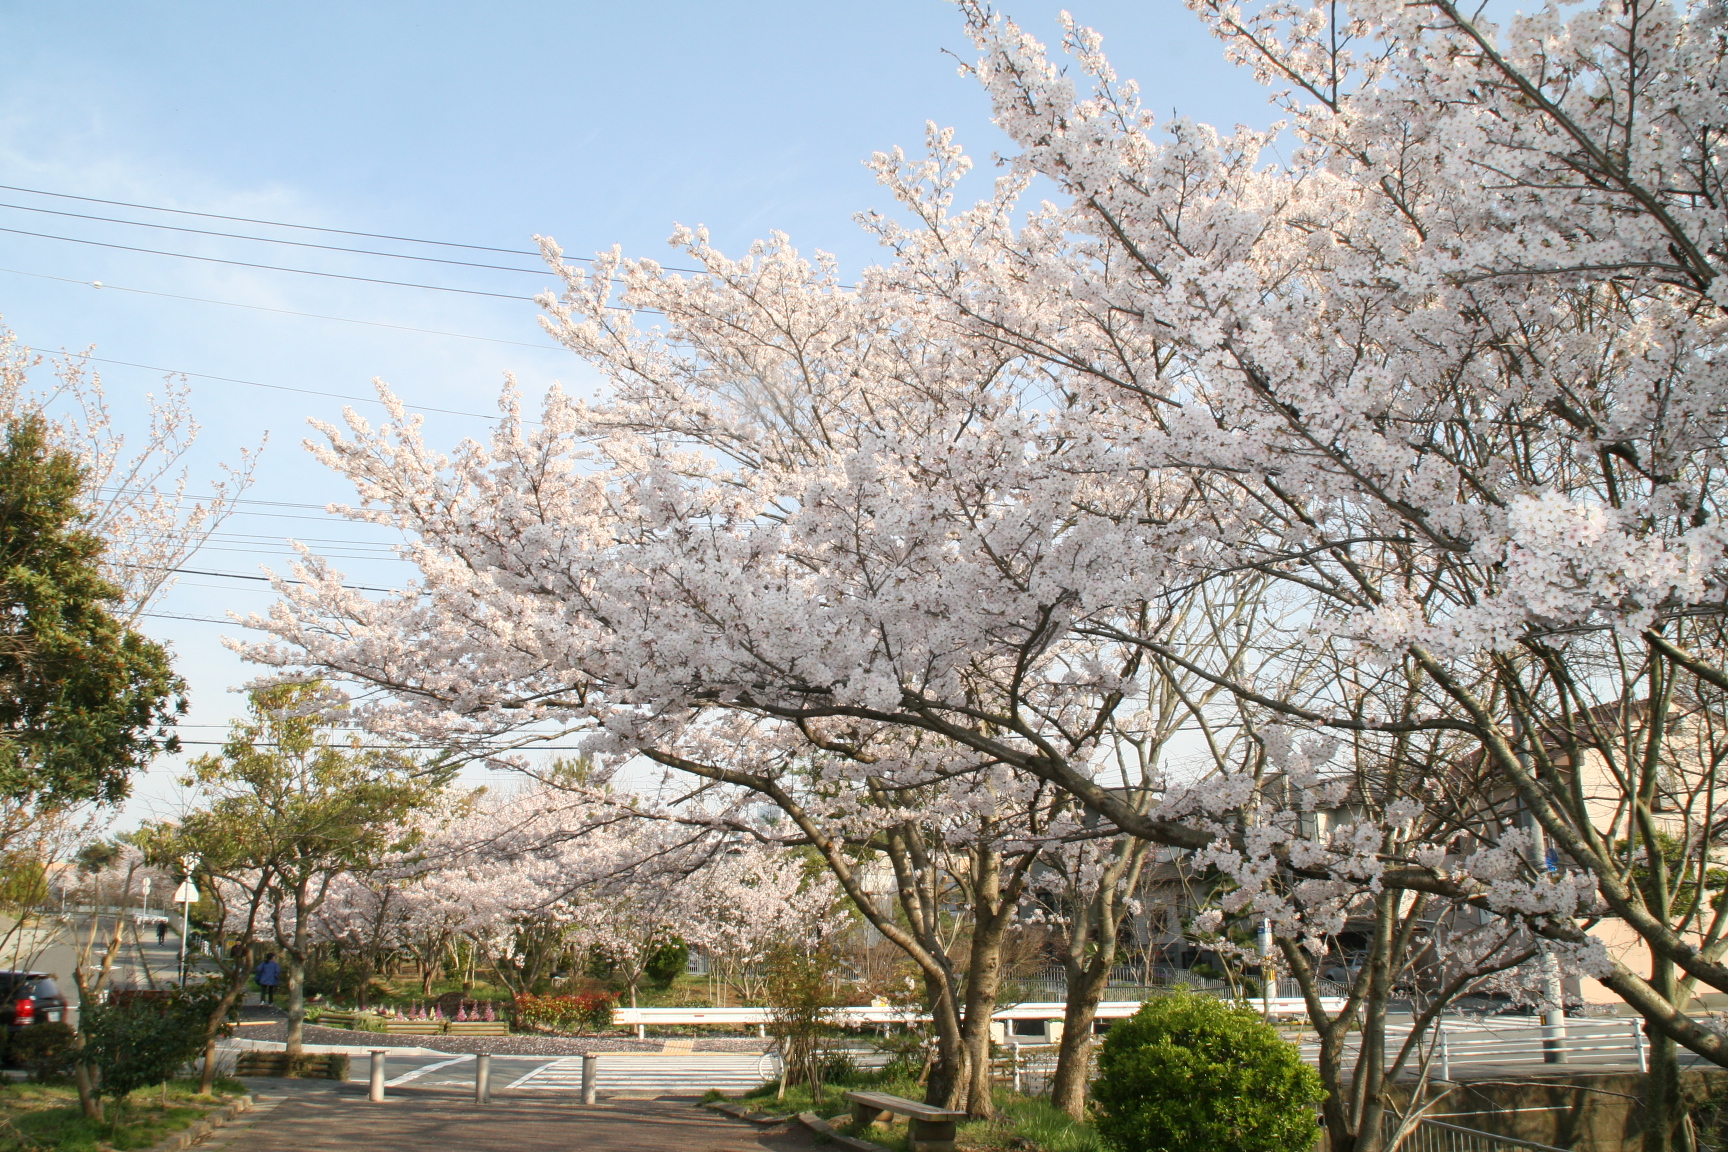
(1519, 1040)
(1439, 1136)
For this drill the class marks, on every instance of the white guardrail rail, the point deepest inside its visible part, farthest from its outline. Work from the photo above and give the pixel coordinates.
(1281, 1006)
(1517, 1040)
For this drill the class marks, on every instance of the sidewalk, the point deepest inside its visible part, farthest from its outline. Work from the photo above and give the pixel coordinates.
(297, 1116)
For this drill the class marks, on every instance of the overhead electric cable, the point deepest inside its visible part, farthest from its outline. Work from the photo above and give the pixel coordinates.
(286, 388)
(270, 267)
(264, 579)
(307, 227)
(402, 747)
(278, 240)
(105, 286)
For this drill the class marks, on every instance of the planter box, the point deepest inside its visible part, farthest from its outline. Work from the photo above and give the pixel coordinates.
(334, 1020)
(477, 1028)
(414, 1027)
(333, 1066)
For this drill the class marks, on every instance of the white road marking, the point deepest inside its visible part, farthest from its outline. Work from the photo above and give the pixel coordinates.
(421, 1071)
(523, 1080)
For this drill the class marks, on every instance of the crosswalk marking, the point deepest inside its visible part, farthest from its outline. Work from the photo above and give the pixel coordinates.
(425, 1068)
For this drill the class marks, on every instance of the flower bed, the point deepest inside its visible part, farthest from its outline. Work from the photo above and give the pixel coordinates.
(572, 1015)
(470, 1020)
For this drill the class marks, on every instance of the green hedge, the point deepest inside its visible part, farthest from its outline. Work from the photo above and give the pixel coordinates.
(1191, 1073)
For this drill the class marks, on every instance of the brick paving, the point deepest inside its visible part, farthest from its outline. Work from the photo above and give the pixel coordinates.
(309, 1116)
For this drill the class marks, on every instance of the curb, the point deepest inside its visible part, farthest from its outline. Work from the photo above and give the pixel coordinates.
(822, 1128)
(189, 1136)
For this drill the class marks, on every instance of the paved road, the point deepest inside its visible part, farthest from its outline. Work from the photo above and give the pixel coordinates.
(299, 1116)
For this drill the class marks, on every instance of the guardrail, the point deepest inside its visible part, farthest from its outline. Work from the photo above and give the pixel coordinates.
(1438, 1136)
(1281, 1006)
(1520, 1040)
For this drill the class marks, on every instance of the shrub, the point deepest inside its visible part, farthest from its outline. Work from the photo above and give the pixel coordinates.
(140, 1041)
(800, 1008)
(666, 963)
(585, 1012)
(44, 1049)
(1190, 1073)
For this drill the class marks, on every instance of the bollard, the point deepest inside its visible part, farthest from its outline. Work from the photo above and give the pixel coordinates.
(483, 1078)
(1445, 1057)
(1016, 1065)
(377, 1092)
(590, 1071)
(641, 1031)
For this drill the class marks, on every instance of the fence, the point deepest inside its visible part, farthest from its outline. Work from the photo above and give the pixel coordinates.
(1516, 1040)
(1439, 1136)
(1052, 983)
(1030, 1068)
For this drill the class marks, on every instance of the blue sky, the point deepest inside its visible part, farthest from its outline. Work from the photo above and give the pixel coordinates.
(479, 123)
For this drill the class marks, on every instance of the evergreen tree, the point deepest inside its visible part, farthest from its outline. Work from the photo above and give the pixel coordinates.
(85, 701)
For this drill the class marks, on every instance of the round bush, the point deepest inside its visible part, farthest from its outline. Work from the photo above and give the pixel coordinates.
(1192, 1074)
(45, 1049)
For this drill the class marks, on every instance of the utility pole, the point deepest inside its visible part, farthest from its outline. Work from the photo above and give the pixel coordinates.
(186, 895)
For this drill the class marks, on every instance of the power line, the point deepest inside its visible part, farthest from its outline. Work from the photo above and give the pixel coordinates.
(394, 747)
(285, 388)
(105, 286)
(270, 267)
(262, 579)
(306, 227)
(277, 240)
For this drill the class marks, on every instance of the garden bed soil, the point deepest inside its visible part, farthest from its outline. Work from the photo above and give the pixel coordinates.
(498, 1045)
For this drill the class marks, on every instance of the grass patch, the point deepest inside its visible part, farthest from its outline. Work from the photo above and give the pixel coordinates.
(1021, 1122)
(45, 1117)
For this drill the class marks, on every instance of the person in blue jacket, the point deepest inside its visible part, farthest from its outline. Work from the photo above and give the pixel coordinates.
(269, 975)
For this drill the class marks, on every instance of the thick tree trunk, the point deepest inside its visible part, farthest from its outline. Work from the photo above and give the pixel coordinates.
(297, 977)
(983, 983)
(948, 1072)
(1087, 963)
(1664, 1109)
(1086, 984)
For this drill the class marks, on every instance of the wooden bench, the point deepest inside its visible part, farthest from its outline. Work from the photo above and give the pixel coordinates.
(932, 1128)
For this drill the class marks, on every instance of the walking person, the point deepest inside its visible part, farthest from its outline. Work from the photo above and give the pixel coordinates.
(269, 975)
(161, 932)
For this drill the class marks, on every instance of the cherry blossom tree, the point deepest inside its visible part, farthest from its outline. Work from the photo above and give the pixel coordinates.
(1451, 366)
(1445, 380)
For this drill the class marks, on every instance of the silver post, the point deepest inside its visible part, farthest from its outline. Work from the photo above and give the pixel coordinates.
(483, 1078)
(590, 1073)
(1554, 1020)
(1445, 1057)
(1016, 1059)
(376, 1094)
(1638, 1042)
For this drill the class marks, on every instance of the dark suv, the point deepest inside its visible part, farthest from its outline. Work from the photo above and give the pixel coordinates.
(28, 998)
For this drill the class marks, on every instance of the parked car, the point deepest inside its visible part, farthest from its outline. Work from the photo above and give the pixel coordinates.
(28, 998)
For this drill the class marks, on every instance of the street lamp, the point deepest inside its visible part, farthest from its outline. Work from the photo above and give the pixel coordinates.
(186, 895)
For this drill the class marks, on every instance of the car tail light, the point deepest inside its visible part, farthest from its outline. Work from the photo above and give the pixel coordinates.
(24, 1011)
